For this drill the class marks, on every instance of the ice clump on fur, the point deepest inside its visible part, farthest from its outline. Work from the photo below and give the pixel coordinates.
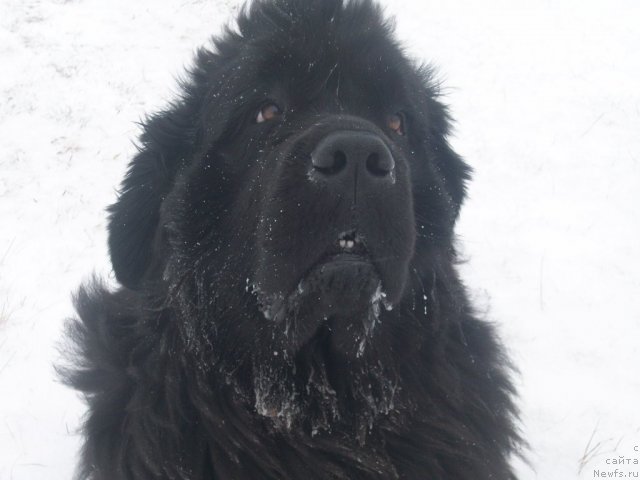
(272, 398)
(379, 297)
(269, 304)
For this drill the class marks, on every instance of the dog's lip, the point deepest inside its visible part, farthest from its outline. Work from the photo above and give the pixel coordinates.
(343, 259)
(337, 258)
(349, 250)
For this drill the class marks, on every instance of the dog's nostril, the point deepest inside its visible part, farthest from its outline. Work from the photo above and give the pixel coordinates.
(380, 166)
(339, 160)
(330, 164)
(339, 157)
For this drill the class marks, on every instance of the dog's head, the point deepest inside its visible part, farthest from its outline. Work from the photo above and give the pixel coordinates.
(297, 190)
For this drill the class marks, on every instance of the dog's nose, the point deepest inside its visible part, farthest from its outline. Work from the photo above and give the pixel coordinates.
(345, 157)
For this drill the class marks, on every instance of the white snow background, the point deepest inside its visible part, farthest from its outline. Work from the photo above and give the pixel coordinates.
(546, 95)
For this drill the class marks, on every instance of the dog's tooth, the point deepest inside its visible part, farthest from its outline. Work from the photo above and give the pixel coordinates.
(343, 243)
(350, 244)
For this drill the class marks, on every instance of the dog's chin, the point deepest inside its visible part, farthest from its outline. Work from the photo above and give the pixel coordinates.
(342, 293)
(327, 330)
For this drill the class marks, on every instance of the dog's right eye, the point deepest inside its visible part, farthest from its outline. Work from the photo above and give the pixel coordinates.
(268, 112)
(396, 123)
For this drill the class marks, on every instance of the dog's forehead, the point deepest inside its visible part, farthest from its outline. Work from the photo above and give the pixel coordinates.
(331, 63)
(311, 40)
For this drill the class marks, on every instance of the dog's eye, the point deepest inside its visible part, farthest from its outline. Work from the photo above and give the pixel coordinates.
(396, 123)
(268, 112)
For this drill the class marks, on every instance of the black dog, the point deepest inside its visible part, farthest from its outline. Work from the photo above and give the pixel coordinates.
(290, 307)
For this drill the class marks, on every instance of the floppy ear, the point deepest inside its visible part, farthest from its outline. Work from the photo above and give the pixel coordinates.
(167, 141)
(453, 169)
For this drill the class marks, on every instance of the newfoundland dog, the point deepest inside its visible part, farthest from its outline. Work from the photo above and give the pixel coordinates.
(289, 306)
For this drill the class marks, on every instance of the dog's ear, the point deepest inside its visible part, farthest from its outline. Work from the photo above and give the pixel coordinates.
(167, 141)
(455, 172)
(435, 130)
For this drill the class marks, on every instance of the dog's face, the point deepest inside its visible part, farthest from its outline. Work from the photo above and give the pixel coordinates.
(300, 191)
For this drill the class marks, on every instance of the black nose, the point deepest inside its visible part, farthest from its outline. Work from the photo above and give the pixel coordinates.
(346, 155)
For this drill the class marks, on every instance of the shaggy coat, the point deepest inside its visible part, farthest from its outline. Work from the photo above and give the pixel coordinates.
(289, 306)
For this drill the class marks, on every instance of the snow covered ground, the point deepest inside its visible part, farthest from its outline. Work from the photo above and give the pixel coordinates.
(547, 99)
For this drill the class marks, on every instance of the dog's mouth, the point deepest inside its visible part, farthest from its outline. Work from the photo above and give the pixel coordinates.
(332, 316)
(349, 246)
(343, 277)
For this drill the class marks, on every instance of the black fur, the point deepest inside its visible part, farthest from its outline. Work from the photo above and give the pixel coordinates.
(242, 344)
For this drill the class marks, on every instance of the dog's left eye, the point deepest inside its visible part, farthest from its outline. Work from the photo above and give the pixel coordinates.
(268, 112)
(396, 123)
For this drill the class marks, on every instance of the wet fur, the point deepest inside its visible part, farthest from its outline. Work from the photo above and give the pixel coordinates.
(185, 378)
